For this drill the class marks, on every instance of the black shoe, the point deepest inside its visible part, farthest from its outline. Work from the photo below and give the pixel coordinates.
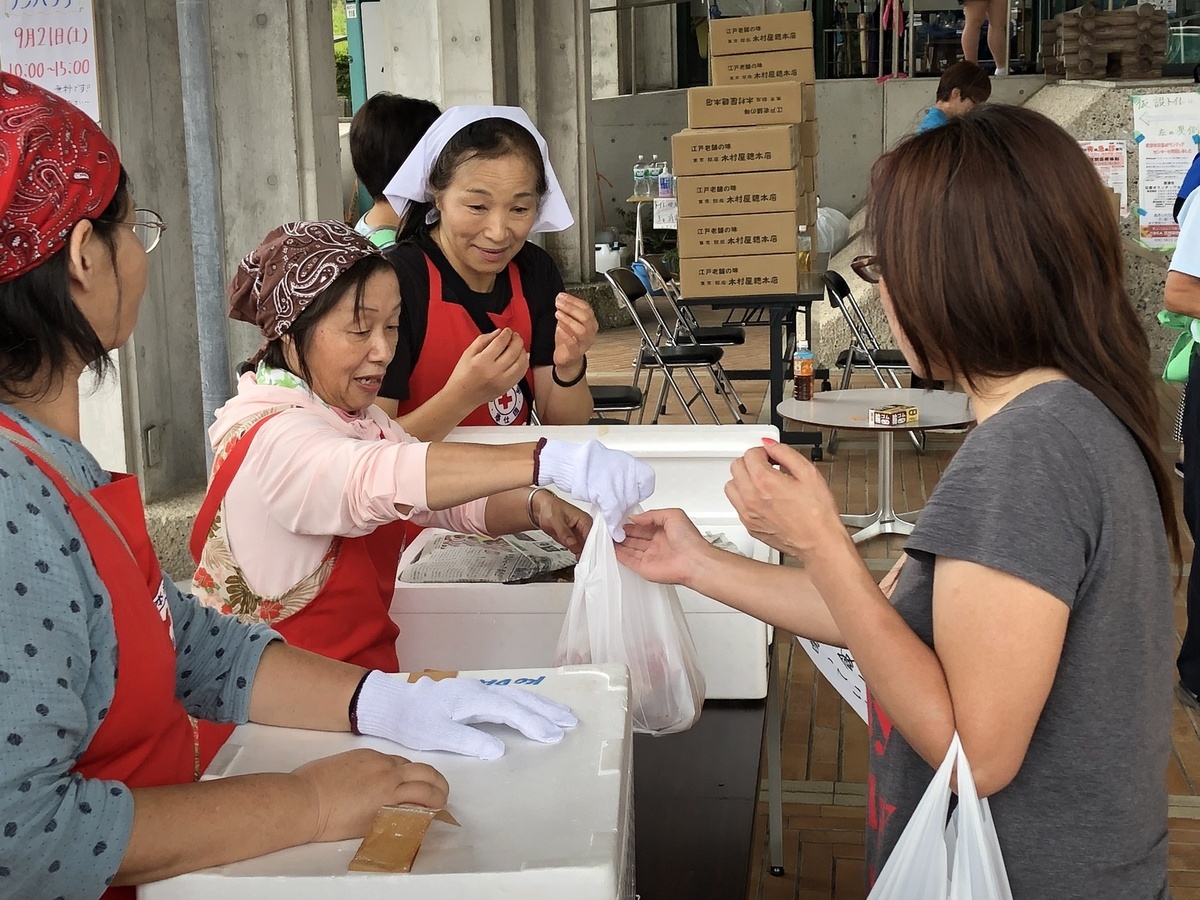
(1187, 696)
(1179, 467)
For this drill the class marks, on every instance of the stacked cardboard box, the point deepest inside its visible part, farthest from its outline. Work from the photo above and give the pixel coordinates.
(746, 165)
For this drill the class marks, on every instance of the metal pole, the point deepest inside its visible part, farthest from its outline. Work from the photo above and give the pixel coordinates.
(204, 198)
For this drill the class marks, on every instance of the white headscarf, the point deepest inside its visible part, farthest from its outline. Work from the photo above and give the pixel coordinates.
(411, 183)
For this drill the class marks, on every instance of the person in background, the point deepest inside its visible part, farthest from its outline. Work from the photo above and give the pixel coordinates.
(1182, 295)
(99, 789)
(488, 332)
(382, 134)
(962, 87)
(1033, 612)
(315, 491)
(995, 13)
(1191, 181)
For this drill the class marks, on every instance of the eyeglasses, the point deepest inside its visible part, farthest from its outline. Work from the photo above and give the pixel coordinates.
(147, 226)
(867, 268)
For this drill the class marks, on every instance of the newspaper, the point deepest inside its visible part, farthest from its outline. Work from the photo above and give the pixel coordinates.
(509, 559)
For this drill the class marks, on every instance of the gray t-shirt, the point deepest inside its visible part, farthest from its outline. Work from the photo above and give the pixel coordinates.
(1054, 490)
(63, 835)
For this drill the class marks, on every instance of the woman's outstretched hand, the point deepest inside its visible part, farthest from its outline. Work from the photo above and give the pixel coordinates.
(662, 545)
(789, 508)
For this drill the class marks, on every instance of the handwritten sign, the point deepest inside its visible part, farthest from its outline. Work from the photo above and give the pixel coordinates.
(1111, 162)
(1166, 128)
(840, 669)
(53, 44)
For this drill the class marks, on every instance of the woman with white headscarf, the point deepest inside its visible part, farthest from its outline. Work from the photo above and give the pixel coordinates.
(487, 330)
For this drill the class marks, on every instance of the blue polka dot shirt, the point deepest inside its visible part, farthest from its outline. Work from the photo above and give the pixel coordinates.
(61, 834)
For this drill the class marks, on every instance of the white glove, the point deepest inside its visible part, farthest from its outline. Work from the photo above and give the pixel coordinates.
(435, 715)
(612, 479)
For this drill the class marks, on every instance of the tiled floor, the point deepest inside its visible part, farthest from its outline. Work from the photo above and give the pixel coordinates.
(824, 743)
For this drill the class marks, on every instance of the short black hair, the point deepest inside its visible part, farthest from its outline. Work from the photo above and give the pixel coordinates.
(353, 279)
(972, 82)
(383, 133)
(491, 138)
(41, 329)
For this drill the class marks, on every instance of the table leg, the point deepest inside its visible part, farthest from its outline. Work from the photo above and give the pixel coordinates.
(637, 231)
(774, 751)
(885, 520)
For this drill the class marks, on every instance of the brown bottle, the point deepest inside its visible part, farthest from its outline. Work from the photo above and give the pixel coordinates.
(802, 372)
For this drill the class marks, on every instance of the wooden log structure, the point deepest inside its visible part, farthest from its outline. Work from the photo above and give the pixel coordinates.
(1088, 42)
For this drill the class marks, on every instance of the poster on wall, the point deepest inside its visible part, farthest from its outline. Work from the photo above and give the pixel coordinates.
(53, 44)
(1112, 163)
(1166, 128)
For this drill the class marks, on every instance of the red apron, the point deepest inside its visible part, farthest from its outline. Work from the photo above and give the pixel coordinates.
(348, 619)
(146, 738)
(452, 330)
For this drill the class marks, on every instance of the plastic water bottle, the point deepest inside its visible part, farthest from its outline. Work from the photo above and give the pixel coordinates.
(802, 372)
(666, 182)
(641, 180)
(804, 249)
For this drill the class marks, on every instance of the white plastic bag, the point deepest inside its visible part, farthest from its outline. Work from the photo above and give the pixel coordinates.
(616, 616)
(934, 860)
(833, 230)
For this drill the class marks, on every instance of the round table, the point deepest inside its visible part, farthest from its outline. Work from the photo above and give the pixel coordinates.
(848, 409)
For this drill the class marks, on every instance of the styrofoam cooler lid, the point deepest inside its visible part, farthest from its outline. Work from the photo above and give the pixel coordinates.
(690, 462)
(544, 820)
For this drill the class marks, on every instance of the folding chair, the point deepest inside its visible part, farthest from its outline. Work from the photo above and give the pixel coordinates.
(611, 398)
(864, 351)
(688, 330)
(666, 356)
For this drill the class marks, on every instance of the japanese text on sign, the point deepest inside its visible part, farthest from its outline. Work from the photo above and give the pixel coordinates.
(53, 44)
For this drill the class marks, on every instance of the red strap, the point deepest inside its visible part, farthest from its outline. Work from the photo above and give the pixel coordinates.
(220, 487)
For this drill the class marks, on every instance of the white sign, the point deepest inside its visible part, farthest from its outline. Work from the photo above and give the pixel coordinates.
(1166, 128)
(1112, 164)
(666, 213)
(839, 667)
(53, 44)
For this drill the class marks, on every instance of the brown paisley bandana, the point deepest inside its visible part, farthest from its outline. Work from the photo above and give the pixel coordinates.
(290, 269)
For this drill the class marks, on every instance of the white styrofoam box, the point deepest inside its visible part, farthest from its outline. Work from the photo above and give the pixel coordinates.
(544, 820)
(471, 626)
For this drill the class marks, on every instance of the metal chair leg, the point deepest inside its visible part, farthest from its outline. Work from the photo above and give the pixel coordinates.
(725, 394)
(703, 396)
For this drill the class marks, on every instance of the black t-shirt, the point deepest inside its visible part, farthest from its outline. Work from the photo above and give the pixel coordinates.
(540, 280)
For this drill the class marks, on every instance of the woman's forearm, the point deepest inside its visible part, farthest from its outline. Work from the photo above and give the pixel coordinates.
(508, 512)
(558, 405)
(437, 416)
(456, 473)
(297, 689)
(185, 827)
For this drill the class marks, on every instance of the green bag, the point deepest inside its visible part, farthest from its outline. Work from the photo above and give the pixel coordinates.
(1179, 360)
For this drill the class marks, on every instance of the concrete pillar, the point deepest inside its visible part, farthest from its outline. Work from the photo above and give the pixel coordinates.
(277, 134)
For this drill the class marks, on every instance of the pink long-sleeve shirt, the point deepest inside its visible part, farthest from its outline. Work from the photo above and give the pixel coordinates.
(313, 473)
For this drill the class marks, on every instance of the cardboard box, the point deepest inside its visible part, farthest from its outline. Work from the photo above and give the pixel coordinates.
(749, 235)
(808, 178)
(808, 210)
(772, 103)
(516, 839)
(760, 34)
(896, 414)
(461, 626)
(744, 192)
(808, 102)
(740, 276)
(810, 138)
(719, 151)
(749, 68)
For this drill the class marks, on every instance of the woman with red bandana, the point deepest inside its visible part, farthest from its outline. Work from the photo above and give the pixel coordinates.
(488, 333)
(102, 660)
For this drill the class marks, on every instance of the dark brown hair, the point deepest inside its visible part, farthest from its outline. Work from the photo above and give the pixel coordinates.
(383, 133)
(1001, 253)
(42, 331)
(972, 82)
(485, 139)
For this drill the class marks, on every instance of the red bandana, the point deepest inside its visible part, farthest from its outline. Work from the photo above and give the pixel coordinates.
(56, 168)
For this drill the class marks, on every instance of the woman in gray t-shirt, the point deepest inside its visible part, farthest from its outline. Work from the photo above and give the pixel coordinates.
(1033, 613)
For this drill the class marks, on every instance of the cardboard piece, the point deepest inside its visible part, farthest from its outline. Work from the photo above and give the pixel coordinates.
(773, 103)
(717, 151)
(808, 178)
(735, 194)
(808, 102)
(760, 34)
(754, 234)
(395, 837)
(810, 138)
(740, 276)
(785, 65)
